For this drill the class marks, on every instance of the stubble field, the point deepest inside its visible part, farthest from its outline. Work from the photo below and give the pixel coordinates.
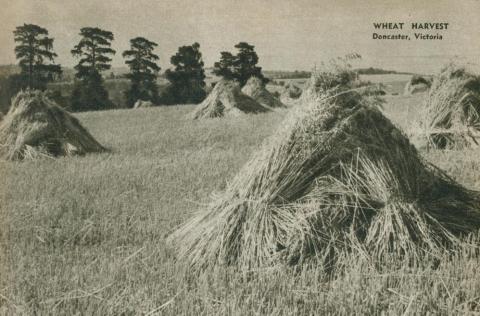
(86, 235)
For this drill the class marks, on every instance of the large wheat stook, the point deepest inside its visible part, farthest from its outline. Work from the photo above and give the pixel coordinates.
(451, 116)
(35, 126)
(336, 177)
(256, 89)
(226, 99)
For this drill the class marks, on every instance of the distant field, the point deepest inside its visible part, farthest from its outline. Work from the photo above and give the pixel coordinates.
(117, 87)
(394, 83)
(86, 235)
(386, 78)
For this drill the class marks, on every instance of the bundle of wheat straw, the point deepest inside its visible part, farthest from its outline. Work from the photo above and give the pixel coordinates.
(35, 126)
(416, 84)
(290, 93)
(451, 114)
(255, 88)
(336, 177)
(226, 99)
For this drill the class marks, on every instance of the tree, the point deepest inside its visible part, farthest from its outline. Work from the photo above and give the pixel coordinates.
(245, 63)
(225, 67)
(240, 67)
(93, 50)
(143, 71)
(187, 80)
(34, 50)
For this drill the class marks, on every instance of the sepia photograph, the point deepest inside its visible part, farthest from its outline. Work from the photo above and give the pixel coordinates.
(255, 157)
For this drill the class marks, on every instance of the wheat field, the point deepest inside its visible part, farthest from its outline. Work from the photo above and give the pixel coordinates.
(86, 235)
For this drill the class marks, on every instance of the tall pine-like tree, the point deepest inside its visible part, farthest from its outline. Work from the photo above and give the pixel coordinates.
(225, 68)
(34, 50)
(245, 63)
(187, 79)
(93, 52)
(143, 71)
(241, 66)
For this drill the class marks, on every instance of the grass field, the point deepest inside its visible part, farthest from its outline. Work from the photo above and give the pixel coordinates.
(86, 235)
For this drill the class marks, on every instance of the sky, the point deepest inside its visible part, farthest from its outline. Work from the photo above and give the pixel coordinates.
(287, 34)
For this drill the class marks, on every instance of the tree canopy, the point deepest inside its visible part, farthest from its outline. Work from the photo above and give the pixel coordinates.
(93, 52)
(143, 71)
(187, 79)
(34, 50)
(241, 66)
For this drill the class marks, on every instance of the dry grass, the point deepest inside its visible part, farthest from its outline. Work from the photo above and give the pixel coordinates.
(86, 235)
(142, 104)
(451, 115)
(290, 93)
(417, 84)
(295, 199)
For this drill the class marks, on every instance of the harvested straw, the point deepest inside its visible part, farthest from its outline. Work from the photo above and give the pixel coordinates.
(416, 84)
(227, 99)
(314, 87)
(290, 93)
(333, 76)
(142, 104)
(35, 126)
(255, 88)
(336, 177)
(367, 88)
(451, 116)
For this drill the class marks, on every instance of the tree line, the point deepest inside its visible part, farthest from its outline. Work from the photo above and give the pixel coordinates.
(36, 58)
